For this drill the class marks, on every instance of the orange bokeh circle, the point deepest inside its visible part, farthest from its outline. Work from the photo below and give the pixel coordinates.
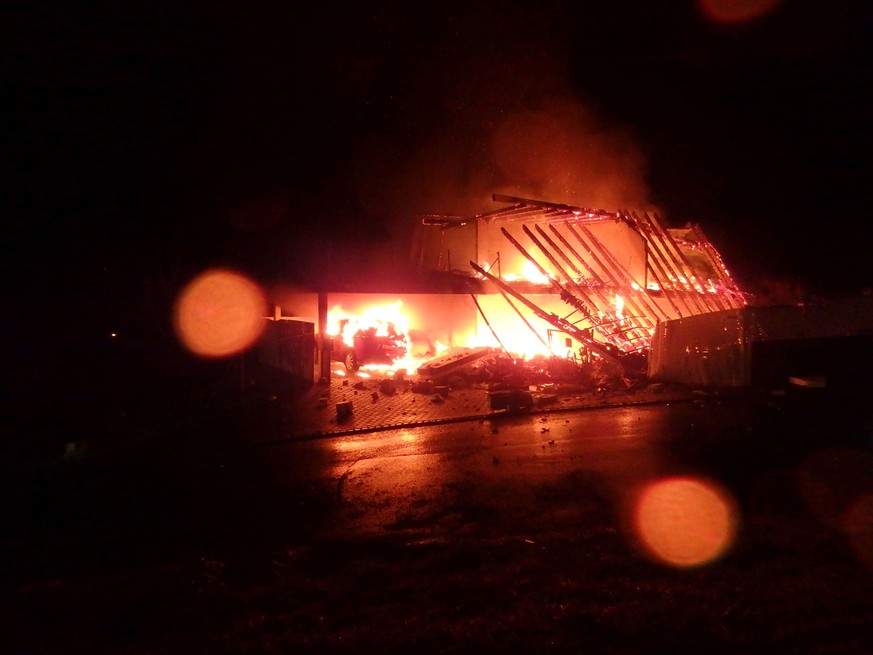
(736, 11)
(219, 313)
(858, 524)
(685, 521)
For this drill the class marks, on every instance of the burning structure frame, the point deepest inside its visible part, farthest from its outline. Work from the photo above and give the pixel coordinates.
(617, 274)
(638, 300)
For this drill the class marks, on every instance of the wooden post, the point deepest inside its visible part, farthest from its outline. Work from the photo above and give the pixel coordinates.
(323, 339)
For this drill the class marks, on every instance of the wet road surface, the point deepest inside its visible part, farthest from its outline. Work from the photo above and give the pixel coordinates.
(400, 477)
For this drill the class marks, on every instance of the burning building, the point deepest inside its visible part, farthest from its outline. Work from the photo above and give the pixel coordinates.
(532, 278)
(536, 280)
(554, 278)
(649, 299)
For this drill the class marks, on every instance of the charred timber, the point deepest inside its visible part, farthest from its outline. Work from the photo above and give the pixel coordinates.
(606, 303)
(607, 309)
(716, 300)
(599, 283)
(602, 350)
(580, 304)
(578, 212)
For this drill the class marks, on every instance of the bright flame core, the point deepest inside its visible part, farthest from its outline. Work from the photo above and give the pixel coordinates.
(394, 318)
(386, 320)
(530, 273)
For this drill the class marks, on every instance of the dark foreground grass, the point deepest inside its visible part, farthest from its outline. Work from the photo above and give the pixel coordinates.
(563, 580)
(256, 565)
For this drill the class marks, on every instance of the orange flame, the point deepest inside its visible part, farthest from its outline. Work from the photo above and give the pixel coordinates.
(619, 306)
(529, 273)
(387, 320)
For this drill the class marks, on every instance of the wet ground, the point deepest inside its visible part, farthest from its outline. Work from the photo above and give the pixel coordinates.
(377, 401)
(501, 533)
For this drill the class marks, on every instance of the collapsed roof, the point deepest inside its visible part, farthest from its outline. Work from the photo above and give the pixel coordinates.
(617, 273)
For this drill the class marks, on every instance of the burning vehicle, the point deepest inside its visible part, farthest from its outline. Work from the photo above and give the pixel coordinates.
(357, 344)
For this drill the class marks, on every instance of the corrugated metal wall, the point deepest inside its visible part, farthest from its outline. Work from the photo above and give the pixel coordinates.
(719, 349)
(703, 350)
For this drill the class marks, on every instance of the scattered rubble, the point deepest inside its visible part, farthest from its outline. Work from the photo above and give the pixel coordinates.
(343, 410)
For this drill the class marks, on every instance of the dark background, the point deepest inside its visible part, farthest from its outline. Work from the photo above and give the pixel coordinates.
(146, 141)
(143, 142)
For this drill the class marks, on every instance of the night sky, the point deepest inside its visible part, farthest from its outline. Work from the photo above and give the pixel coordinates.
(144, 142)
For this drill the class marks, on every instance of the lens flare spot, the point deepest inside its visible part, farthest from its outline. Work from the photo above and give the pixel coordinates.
(219, 313)
(685, 522)
(858, 524)
(830, 480)
(736, 11)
